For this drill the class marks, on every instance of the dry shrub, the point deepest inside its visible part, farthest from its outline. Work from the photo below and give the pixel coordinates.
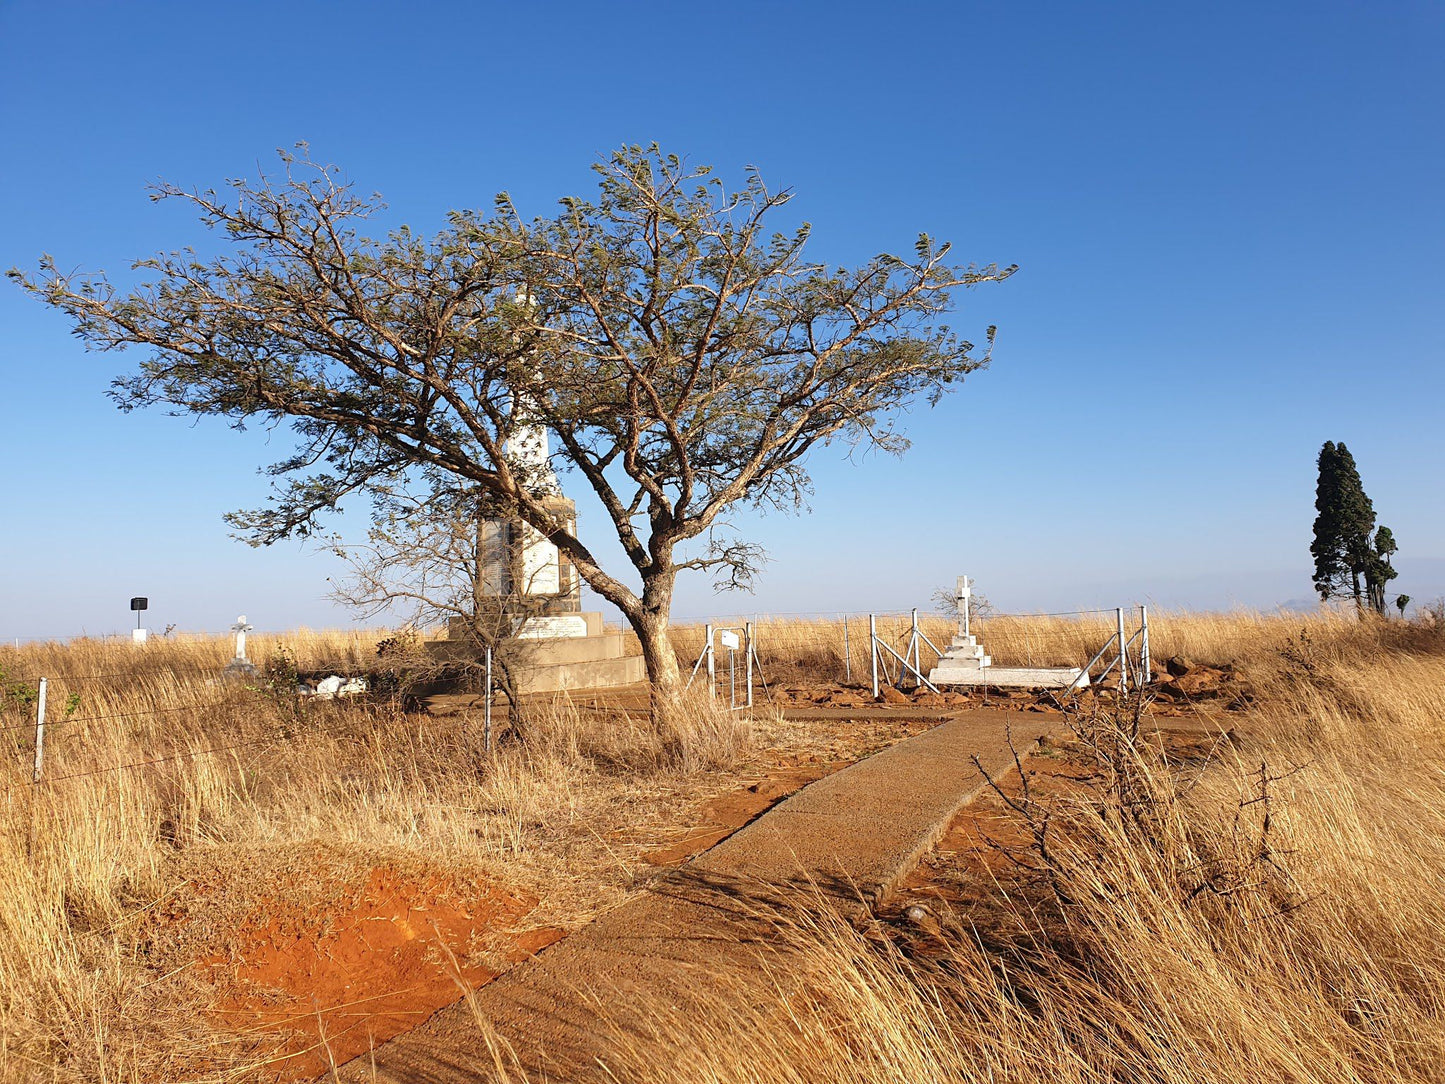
(693, 733)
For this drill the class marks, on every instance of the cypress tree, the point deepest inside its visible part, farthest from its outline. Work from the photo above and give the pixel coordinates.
(1380, 571)
(1344, 553)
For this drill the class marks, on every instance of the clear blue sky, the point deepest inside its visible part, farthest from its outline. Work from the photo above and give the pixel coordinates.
(1229, 220)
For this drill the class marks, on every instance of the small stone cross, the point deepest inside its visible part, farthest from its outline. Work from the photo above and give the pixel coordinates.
(240, 628)
(964, 593)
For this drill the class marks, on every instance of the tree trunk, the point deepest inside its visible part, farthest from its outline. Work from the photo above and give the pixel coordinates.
(663, 672)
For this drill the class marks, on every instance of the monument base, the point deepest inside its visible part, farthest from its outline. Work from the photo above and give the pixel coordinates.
(966, 664)
(1017, 677)
(564, 660)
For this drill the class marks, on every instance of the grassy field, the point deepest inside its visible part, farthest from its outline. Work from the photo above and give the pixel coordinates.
(163, 783)
(1319, 964)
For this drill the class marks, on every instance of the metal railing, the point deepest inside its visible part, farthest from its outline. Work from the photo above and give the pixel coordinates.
(1121, 660)
(733, 637)
(910, 662)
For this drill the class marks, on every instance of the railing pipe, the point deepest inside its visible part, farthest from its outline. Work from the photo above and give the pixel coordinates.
(905, 663)
(748, 631)
(1123, 652)
(487, 709)
(873, 650)
(711, 665)
(40, 732)
(1090, 665)
(1144, 668)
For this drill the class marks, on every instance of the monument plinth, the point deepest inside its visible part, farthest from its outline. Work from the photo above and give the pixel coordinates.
(524, 575)
(964, 663)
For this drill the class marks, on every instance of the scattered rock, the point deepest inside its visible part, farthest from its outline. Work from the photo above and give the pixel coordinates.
(889, 695)
(1200, 681)
(922, 917)
(1178, 666)
(334, 687)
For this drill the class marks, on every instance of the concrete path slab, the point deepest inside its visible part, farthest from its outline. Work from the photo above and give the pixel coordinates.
(852, 834)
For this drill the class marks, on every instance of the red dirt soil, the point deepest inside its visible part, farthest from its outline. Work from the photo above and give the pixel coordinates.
(720, 817)
(332, 981)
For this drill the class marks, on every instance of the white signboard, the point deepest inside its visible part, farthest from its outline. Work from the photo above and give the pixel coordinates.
(729, 639)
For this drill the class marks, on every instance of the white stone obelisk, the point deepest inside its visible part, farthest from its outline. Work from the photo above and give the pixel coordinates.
(529, 457)
(522, 562)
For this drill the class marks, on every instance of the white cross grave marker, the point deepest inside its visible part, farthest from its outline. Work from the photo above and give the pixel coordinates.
(240, 628)
(240, 664)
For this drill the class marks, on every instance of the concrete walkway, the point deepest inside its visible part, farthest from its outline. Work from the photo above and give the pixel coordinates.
(853, 834)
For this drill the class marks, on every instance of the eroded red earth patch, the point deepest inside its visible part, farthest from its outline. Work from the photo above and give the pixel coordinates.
(331, 981)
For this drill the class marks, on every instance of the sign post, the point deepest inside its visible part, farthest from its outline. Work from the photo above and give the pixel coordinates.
(730, 641)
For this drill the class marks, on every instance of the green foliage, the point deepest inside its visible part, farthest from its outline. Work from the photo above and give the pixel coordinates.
(16, 694)
(1378, 569)
(279, 682)
(1352, 559)
(685, 352)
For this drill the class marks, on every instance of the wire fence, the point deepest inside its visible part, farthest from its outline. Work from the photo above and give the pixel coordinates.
(764, 616)
(42, 726)
(60, 707)
(867, 642)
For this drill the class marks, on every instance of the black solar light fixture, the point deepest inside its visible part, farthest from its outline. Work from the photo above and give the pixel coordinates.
(139, 604)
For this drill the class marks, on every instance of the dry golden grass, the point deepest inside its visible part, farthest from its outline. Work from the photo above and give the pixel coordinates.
(1328, 973)
(800, 649)
(1319, 964)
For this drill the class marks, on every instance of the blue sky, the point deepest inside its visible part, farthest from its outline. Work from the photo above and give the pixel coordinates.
(1228, 218)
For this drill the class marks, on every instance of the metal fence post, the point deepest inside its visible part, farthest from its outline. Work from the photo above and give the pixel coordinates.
(873, 650)
(748, 632)
(487, 711)
(1123, 652)
(40, 731)
(1144, 673)
(847, 655)
(711, 665)
(732, 679)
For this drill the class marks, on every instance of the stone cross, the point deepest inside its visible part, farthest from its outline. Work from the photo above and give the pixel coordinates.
(240, 628)
(964, 593)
